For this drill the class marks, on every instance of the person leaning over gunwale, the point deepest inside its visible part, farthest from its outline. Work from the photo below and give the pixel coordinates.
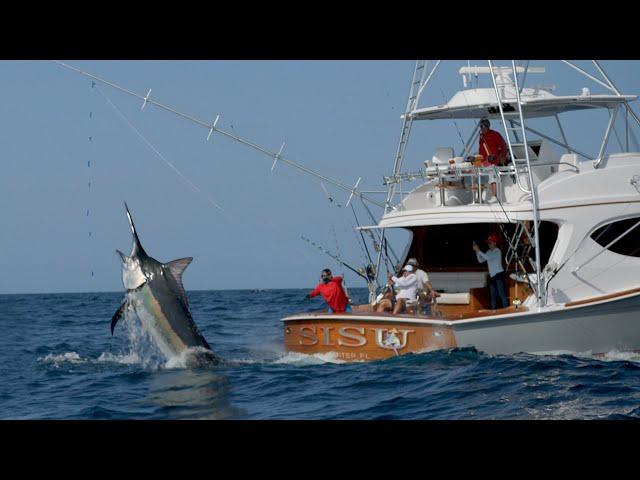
(332, 291)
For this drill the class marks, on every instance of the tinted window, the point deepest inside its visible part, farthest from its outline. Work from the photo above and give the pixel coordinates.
(628, 245)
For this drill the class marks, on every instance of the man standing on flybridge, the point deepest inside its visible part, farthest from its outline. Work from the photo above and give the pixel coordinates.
(494, 150)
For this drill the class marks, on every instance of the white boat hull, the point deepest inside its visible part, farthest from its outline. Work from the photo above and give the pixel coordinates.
(599, 328)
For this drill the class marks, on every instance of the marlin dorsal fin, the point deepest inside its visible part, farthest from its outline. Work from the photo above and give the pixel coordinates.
(177, 268)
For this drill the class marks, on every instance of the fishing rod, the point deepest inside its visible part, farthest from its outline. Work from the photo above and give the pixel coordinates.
(360, 272)
(381, 239)
(213, 128)
(369, 269)
(364, 243)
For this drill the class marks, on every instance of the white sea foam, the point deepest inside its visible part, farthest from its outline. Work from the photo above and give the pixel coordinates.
(295, 358)
(105, 357)
(191, 357)
(612, 355)
(68, 357)
(130, 358)
(615, 355)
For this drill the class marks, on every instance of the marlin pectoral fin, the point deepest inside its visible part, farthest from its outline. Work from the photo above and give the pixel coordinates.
(117, 316)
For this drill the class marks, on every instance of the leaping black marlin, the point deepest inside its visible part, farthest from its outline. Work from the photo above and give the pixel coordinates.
(156, 293)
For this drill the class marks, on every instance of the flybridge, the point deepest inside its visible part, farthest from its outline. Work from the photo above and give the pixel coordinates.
(483, 103)
(537, 101)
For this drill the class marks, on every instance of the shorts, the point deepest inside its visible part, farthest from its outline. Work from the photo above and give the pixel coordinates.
(492, 176)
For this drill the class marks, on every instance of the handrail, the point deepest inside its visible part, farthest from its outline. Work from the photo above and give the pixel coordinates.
(504, 124)
(470, 171)
(552, 164)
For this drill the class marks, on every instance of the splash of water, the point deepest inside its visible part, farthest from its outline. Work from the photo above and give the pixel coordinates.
(140, 345)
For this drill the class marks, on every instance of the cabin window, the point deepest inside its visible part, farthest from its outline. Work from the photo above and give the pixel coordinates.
(628, 245)
(449, 247)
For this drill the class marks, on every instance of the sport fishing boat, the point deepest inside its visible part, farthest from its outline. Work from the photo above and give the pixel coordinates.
(568, 224)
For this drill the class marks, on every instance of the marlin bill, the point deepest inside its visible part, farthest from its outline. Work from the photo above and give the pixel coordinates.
(154, 291)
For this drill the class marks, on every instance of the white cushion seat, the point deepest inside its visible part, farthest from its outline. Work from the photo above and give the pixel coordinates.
(454, 298)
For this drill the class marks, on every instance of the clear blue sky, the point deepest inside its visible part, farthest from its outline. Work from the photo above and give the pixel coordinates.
(338, 117)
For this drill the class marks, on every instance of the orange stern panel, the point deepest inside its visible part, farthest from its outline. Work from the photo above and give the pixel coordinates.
(364, 340)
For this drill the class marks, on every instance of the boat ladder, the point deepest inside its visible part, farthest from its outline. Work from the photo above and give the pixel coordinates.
(507, 92)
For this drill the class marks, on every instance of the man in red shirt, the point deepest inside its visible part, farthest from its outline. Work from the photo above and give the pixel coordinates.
(332, 291)
(493, 148)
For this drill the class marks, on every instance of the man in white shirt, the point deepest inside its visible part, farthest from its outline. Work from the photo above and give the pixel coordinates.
(423, 277)
(426, 292)
(408, 285)
(493, 257)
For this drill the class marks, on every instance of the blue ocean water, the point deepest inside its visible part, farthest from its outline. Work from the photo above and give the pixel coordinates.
(59, 361)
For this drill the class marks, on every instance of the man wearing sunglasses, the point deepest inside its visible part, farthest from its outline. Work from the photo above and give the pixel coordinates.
(332, 291)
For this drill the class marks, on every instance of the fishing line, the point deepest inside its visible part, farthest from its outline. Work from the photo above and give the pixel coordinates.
(183, 177)
(452, 119)
(335, 257)
(212, 128)
(380, 239)
(366, 253)
(89, 183)
(210, 201)
(344, 281)
(234, 136)
(162, 157)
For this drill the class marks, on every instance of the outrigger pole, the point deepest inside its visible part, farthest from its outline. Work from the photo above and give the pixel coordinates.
(213, 128)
